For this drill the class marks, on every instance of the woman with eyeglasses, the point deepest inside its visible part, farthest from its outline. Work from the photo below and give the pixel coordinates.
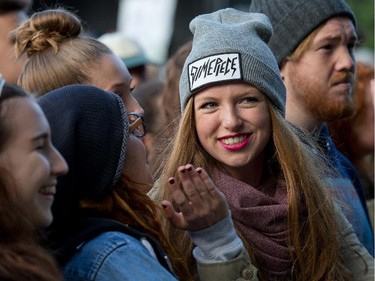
(59, 54)
(105, 227)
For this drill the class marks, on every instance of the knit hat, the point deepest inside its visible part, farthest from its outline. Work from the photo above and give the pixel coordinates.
(294, 20)
(127, 49)
(231, 46)
(89, 127)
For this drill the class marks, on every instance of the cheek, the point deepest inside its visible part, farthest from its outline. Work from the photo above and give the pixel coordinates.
(26, 185)
(205, 127)
(36, 170)
(200, 131)
(13, 165)
(264, 127)
(264, 121)
(135, 159)
(261, 117)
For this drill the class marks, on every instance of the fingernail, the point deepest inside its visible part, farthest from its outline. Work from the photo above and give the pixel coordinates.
(182, 170)
(164, 206)
(199, 171)
(189, 168)
(171, 181)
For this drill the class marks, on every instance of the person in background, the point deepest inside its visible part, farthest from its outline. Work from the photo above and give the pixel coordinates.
(29, 168)
(149, 95)
(59, 54)
(233, 126)
(174, 66)
(354, 136)
(314, 42)
(170, 100)
(105, 227)
(12, 13)
(131, 53)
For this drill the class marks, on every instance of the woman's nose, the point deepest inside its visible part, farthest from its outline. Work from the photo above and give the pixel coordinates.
(231, 120)
(134, 106)
(58, 163)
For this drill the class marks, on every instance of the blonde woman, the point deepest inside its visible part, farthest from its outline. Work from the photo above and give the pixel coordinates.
(60, 53)
(233, 126)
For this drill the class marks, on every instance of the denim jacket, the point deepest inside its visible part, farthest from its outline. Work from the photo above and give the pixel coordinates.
(115, 256)
(348, 190)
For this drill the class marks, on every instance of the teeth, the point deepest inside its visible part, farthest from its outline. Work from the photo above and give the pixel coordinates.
(234, 140)
(48, 190)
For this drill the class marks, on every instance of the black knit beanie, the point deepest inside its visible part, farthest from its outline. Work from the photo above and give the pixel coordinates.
(294, 20)
(89, 127)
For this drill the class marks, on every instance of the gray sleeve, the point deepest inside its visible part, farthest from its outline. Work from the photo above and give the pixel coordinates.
(356, 257)
(219, 242)
(221, 255)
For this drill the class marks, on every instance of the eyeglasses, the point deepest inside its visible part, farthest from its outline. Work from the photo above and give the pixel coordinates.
(136, 124)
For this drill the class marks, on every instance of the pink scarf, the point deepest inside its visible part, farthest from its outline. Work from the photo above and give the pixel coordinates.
(262, 220)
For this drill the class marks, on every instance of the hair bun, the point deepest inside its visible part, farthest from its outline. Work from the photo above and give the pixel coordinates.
(45, 30)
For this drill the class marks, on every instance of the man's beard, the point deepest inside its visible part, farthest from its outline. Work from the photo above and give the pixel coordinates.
(319, 103)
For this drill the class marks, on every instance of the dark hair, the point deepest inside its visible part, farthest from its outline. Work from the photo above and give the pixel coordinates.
(22, 257)
(8, 91)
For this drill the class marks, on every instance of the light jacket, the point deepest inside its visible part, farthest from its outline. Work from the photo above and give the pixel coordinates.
(356, 259)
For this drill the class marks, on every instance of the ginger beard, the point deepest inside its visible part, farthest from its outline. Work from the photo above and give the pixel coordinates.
(328, 103)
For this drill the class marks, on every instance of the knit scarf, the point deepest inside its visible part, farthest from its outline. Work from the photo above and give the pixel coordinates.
(261, 218)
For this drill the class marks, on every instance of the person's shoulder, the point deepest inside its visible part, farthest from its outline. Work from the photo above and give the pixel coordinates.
(111, 240)
(111, 255)
(111, 248)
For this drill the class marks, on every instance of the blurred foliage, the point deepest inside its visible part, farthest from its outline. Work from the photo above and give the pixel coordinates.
(364, 12)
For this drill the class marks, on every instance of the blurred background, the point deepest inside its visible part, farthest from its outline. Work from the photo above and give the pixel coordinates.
(161, 26)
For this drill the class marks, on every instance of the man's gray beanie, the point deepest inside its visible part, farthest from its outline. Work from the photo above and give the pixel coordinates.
(294, 20)
(231, 46)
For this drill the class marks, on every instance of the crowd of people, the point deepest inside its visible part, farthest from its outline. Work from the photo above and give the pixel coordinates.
(245, 159)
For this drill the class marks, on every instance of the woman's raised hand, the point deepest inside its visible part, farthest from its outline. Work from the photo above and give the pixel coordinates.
(199, 201)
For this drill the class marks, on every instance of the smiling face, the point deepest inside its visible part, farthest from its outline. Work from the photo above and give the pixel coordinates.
(320, 82)
(30, 159)
(233, 125)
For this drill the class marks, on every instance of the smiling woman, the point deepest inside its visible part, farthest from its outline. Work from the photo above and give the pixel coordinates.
(103, 219)
(233, 126)
(221, 114)
(29, 166)
(30, 159)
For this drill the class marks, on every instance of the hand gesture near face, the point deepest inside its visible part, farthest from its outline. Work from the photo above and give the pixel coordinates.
(199, 201)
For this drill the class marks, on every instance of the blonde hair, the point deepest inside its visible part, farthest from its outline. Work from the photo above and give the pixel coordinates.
(58, 52)
(313, 237)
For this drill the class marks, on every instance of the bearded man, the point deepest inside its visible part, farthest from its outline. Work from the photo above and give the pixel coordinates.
(313, 42)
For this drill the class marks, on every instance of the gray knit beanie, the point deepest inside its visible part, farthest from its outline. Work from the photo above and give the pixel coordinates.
(294, 20)
(231, 46)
